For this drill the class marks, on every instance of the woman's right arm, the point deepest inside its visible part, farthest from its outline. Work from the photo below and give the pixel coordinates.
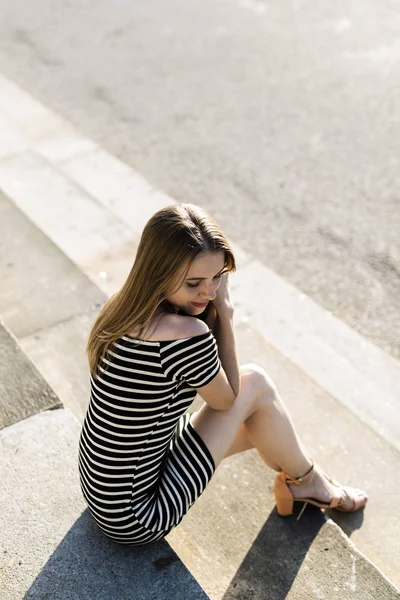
(222, 391)
(225, 336)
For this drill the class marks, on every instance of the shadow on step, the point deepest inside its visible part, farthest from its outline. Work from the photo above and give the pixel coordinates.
(88, 566)
(275, 557)
(347, 522)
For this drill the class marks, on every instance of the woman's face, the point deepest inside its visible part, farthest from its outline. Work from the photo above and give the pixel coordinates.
(200, 284)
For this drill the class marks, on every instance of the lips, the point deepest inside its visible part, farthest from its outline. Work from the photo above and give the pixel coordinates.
(197, 305)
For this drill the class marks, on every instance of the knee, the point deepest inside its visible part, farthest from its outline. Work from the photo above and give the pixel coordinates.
(261, 382)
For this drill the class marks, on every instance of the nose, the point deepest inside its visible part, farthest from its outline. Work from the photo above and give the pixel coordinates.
(209, 293)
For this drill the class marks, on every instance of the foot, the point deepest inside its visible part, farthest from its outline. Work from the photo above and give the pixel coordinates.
(319, 487)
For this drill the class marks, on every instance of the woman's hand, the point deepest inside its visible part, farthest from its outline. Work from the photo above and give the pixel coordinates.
(221, 305)
(223, 301)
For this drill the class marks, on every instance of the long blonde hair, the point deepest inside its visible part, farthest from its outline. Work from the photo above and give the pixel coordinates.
(171, 238)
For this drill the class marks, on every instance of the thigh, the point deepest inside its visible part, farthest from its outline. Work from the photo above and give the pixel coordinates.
(220, 429)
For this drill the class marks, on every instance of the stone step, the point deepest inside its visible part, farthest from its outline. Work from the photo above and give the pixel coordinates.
(222, 531)
(48, 304)
(233, 540)
(22, 391)
(50, 546)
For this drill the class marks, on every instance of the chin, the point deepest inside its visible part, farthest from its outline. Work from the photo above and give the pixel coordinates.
(191, 311)
(198, 310)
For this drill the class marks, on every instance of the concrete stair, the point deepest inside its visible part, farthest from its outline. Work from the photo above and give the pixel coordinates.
(232, 543)
(50, 546)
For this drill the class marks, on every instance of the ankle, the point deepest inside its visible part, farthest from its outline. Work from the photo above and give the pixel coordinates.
(305, 475)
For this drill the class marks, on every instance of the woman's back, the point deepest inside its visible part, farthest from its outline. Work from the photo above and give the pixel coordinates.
(141, 393)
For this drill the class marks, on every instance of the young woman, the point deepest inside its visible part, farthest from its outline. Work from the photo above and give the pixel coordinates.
(165, 335)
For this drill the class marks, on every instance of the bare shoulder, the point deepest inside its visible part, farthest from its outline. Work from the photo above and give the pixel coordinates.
(179, 326)
(175, 327)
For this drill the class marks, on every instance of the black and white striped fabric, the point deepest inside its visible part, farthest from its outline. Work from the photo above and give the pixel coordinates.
(142, 464)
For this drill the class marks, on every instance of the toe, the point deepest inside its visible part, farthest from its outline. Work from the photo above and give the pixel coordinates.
(353, 499)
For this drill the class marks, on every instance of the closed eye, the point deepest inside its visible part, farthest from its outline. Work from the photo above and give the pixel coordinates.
(195, 285)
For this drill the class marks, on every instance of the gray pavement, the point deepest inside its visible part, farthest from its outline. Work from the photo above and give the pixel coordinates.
(282, 119)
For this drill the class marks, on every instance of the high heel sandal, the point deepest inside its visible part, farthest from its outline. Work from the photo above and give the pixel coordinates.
(285, 499)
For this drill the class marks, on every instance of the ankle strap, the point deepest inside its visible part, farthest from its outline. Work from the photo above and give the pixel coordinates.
(302, 478)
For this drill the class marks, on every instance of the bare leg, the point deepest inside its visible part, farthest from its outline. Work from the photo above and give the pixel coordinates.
(259, 419)
(242, 443)
(267, 425)
(272, 432)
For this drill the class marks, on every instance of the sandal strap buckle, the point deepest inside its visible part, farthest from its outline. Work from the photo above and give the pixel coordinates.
(298, 480)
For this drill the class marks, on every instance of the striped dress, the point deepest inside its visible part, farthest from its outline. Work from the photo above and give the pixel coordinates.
(141, 463)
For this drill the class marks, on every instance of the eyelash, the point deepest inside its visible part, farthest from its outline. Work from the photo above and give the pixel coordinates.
(195, 285)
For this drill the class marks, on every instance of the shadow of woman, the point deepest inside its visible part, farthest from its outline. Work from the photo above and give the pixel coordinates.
(275, 557)
(87, 565)
(348, 522)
